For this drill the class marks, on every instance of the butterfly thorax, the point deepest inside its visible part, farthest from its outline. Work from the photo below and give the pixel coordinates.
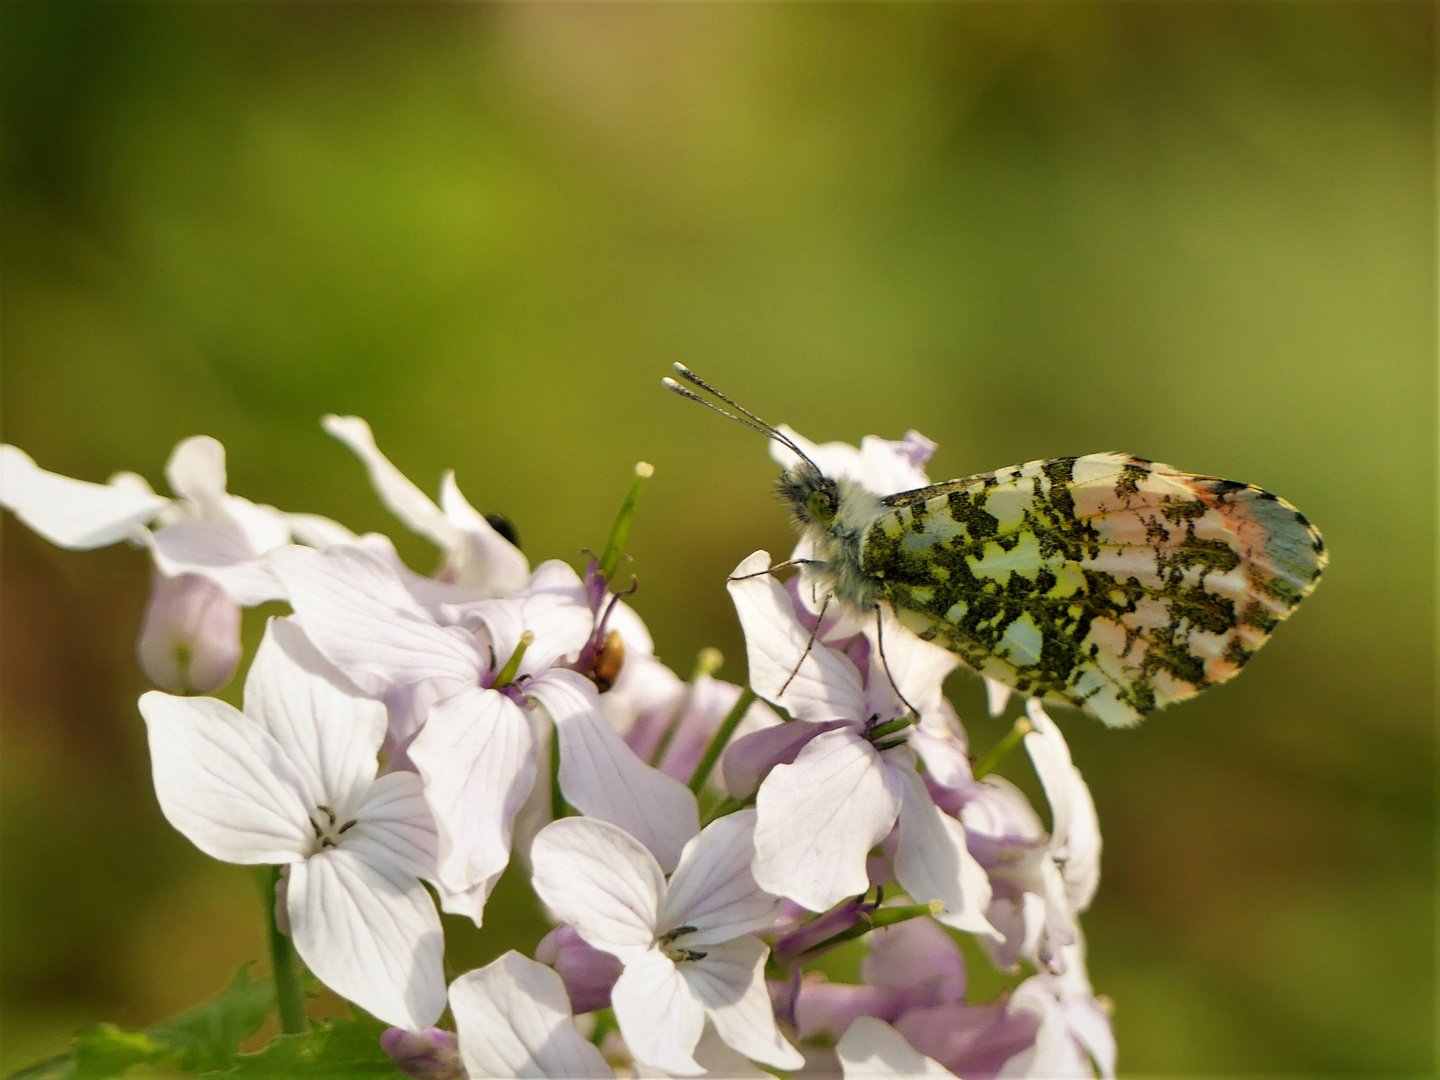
(833, 515)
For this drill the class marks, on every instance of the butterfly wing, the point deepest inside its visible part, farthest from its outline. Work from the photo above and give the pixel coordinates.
(1107, 582)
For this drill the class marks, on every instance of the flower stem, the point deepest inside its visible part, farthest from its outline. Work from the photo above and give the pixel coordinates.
(722, 736)
(558, 806)
(988, 763)
(285, 967)
(620, 531)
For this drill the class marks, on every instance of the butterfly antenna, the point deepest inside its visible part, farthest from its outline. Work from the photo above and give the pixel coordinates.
(750, 419)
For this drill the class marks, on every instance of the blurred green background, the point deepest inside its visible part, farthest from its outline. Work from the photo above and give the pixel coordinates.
(1200, 233)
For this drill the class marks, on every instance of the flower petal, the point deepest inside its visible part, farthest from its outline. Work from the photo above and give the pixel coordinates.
(713, 889)
(196, 471)
(359, 614)
(730, 981)
(819, 818)
(329, 732)
(224, 781)
(514, 1020)
(552, 607)
(601, 880)
(371, 934)
(75, 514)
(220, 551)
(719, 1060)
(825, 684)
(318, 531)
(917, 667)
(602, 778)
(1075, 835)
(972, 1040)
(749, 759)
(837, 460)
(469, 902)
(873, 1049)
(891, 465)
(403, 499)
(916, 953)
(658, 1013)
(931, 860)
(394, 828)
(997, 694)
(476, 752)
(485, 560)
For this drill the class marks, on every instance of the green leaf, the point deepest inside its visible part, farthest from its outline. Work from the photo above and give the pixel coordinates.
(202, 1038)
(105, 1051)
(333, 1049)
(209, 1035)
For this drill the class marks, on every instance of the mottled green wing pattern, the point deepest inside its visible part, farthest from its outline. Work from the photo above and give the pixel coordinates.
(1106, 582)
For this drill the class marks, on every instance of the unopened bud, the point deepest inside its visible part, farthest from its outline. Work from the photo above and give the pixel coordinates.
(190, 640)
(589, 973)
(432, 1054)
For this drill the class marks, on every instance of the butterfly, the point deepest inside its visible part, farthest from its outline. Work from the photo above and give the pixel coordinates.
(1106, 582)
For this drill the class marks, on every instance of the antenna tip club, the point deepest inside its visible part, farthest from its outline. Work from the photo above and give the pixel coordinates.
(682, 369)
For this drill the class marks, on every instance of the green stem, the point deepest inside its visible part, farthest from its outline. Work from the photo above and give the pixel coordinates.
(722, 736)
(988, 763)
(707, 662)
(885, 916)
(285, 967)
(558, 806)
(620, 531)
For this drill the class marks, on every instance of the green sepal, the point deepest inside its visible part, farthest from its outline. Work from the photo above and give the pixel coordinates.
(337, 1048)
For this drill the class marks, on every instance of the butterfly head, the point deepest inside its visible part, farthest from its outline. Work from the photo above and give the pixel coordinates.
(813, 498)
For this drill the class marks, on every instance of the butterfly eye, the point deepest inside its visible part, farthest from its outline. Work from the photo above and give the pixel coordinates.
(820, 505)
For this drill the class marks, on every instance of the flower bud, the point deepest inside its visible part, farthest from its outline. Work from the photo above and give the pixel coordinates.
(432, 1054)
(190, 641)
(589, 973)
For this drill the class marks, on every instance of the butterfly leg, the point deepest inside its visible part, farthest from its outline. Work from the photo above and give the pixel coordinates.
(777, 567)
(880, 647)
(819, 619)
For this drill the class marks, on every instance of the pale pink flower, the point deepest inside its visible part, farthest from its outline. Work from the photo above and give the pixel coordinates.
(293, 780)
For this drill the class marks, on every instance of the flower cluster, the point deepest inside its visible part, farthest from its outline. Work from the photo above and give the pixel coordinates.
(698, 844)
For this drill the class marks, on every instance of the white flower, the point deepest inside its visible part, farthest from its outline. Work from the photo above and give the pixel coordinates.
(1041, 883)
(685, 945)
(514, 1019)
(191, 639)
(477, 748)
(1049, 1028)
(292, 780)
(476, 557)
(852, 782)
(1075, 1037)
